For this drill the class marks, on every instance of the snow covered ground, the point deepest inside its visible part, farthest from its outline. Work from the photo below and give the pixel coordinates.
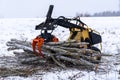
(109, 28)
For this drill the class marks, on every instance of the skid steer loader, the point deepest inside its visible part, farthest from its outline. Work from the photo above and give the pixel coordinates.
(79, 32)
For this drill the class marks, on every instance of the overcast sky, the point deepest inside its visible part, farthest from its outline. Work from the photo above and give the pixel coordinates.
(39, 8)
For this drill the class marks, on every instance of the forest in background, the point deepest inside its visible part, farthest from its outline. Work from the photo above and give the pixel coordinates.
(100, 14)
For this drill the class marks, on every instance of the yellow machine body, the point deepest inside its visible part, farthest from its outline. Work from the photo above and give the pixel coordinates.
(82, 35)
(78, 35)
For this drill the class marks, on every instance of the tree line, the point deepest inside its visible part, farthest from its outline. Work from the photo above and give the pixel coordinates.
(100, 14)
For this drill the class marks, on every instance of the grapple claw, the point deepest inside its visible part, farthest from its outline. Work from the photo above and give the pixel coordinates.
(39, 42)
(34, 46)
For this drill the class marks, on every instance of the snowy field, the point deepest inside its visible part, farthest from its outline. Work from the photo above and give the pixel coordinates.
(24, 28)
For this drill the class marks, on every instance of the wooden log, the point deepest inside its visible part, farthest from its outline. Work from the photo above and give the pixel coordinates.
(76, 61)
(59, 43)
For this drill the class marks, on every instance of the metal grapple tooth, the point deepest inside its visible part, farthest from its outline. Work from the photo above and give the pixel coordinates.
(38, 41)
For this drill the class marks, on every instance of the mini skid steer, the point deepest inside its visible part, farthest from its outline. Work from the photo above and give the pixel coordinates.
(79, 32)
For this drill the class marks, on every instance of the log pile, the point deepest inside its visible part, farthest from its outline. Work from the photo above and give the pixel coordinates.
(61, 53)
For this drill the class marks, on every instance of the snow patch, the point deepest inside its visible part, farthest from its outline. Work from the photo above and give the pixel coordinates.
(109, 28)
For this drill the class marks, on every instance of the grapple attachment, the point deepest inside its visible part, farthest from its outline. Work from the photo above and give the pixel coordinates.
(38, 41)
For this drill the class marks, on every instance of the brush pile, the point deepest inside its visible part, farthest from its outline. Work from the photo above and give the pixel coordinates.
(61, 53)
